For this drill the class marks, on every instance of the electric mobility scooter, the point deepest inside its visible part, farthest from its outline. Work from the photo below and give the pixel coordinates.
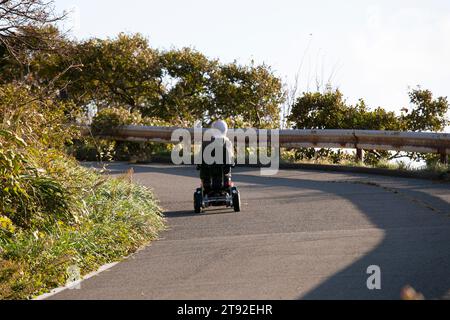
(216, 189)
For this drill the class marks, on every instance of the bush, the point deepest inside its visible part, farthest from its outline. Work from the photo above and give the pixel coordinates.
(317, 155)
(106, 122)
(118, 218)
(28, 195)
(41, 122)
(109, 119)
(53, 213)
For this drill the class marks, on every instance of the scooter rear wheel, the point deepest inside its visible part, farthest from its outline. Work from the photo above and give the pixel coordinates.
(198, 201)
(236, 201)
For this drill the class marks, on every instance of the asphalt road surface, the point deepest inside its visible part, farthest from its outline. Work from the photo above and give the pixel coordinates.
(300, 235)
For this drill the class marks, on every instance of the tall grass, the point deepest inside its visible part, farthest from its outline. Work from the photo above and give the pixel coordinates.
(118, 217)
(54, 214)
(433, 168)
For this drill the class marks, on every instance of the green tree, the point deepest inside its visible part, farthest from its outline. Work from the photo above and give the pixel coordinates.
(114, 72)
(316, 110)
(184, 83)
(361, 117)
(247, 94)
(329, 111)
(26, 29)
(24, 25)
(199, 88)
(178, 85)
(427, 114)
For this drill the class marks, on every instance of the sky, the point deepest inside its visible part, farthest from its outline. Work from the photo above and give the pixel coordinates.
(376, 50)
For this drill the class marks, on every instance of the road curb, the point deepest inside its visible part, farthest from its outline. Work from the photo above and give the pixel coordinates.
(364, 170)
(71, 286)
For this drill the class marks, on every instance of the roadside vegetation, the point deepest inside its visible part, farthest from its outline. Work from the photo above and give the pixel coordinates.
(90, 221)
(429, 169)
(54, 213)
(329, 110)
(105, 121)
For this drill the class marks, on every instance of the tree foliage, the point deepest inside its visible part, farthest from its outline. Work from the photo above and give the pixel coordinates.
(250, 94)
(329, 110)
(27, 25)
(178, 85)
(426, 114)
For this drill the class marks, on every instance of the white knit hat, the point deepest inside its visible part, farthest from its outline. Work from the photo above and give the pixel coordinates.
(221, 126)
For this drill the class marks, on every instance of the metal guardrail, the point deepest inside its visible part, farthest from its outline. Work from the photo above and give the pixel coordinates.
(359, 139)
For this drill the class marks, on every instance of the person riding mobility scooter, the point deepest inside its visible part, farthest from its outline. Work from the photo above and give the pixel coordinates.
(217, 189)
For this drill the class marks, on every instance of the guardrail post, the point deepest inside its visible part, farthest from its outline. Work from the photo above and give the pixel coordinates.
(444, 157)
(359, 155)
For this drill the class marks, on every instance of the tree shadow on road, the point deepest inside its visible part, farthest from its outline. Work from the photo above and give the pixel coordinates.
(415, 250)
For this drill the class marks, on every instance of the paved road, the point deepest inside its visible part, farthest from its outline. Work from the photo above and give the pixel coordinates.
(302, 234)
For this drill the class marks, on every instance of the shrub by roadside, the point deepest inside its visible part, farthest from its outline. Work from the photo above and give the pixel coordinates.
(432, 168)
(106, 121)
(54, 214)
(116, 218)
